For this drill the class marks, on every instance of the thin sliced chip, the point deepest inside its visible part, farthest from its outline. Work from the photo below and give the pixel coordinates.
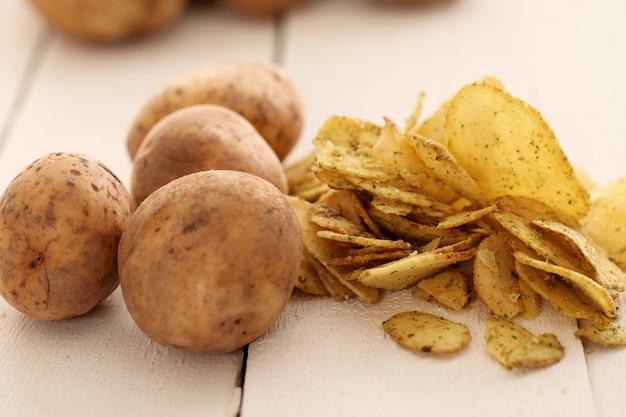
(367, 259)
(337, 290)
(465, 217)
(508, 148)
(513, 346)
(531, 209)
(407, 229)
(606, 221)
(530, 300)
(308, 278)
(433, 127)
(598, 266)
(423, 332)
(495, 281)
(594, 291)
(538, 241)
(360, 240)
(365, 217)
(448, 288)
(609, 335)
(333, 220)
(401, 274)
(421, 294)
(437, 157)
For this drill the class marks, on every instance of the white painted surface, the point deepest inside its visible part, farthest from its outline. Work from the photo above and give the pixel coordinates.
(321, 358)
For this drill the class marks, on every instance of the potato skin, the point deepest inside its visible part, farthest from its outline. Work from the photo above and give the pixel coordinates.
(260, 92)
(109, 20)
(61, 219)
(200, 138)
(209, 261)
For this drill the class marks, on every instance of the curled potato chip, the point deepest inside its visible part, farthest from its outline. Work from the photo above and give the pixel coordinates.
(495, 281)
(508, 148)
(464, 217)
(606, 221)
(423, 332)
(594, 291)
(608, 335)
(515, 347)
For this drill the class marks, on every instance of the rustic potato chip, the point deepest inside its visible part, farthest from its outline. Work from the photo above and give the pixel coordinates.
(597, 265)
(495, 281)
(558, 293)
(405, 228)
(444, 165)
(361, 240)
(538, 241)
(423, 332)
(401, 274)
(308, 278)
(606, 221)
(322, 251)
(361, 211)
(423, 295)
(465, 217)
(433, 127)
(448, 288)
(530, 300)
(513, 346)
(508, 148)
(609, 335)
(369, 258)
(594, 291)
(331, 219)
(531, 209)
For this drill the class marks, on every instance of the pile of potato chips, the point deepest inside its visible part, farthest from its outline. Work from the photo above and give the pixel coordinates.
(479, 199)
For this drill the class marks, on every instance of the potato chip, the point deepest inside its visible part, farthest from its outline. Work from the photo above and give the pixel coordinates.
(608, 335)
(444, 165)
(405, 228)
(464, 217)
(448, 288)
(606, 221)
(308, 278)
(594, 291)
(495, 281)
(597, 265)
(558, 293)
(531, 209)
(513, 346)
(508, 148)
(401, 274)
(530, 300)
(369, 258)
(423, 332)
(361, 240)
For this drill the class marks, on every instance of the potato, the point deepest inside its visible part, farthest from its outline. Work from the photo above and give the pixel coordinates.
(199, 138)
(62, 218)
(209, 261)
(260, 92)
(109, 20)
(261, 8)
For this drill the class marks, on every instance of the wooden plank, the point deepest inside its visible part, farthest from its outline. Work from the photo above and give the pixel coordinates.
(83, 100)
(20, 47)
(357, 59)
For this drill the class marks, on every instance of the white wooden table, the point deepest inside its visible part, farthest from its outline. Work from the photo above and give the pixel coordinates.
(321, 358)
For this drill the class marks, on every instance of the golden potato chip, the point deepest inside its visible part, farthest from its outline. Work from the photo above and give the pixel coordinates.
(531, 209)
(606, 221)
(361, 240)
(597, 265)
(448, 288)
(401, 274)
(594, 291)
(308, 278)
(443, 164)
(513, 346)
(495, 281)
(423, 332)
(608, 335)
(530, 300)
(508, 148)
(421, 294)
(337, 290)
(406, 228)
(433, 127)
(366, 259)
(464, 217)
(558, 293)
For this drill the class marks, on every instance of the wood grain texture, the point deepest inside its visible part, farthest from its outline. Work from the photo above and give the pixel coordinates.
(355, 58)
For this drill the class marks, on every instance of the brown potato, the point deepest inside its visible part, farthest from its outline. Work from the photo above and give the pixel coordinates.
(260, 92)
(261, 8)
(61, 220)
(199, 138)
(209, 261)
(109, 20)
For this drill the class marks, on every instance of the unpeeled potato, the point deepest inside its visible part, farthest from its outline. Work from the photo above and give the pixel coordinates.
(61, 220)
(109, 20)
(199, 138)
(209, 261)
(260, 92)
